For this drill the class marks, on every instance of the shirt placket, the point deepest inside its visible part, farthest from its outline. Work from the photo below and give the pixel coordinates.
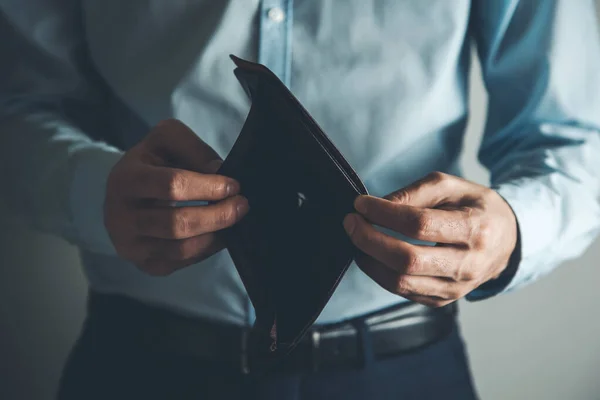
(275, 51)
(275, 37)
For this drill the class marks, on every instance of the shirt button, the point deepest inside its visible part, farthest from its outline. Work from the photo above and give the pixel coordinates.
(276, 14)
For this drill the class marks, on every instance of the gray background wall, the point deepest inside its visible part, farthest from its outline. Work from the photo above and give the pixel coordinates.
(540, 343)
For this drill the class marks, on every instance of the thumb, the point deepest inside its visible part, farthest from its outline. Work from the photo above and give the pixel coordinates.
(435, 189)
(180, 147)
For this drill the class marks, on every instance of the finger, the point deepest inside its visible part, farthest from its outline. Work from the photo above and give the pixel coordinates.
(167, 256)
(382, 275)
(162, 183)
(430, 301)
(186, 222)
(403, 257)
(435, 189)
(445, 226)
(176, 142)
(409, 286)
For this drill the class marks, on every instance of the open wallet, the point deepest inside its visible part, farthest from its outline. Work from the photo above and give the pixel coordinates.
(291, 249)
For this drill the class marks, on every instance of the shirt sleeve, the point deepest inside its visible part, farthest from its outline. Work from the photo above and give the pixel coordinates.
(541, 67)
(52, 172)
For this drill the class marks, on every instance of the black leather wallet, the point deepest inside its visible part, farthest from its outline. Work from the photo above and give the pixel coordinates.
(291, 249)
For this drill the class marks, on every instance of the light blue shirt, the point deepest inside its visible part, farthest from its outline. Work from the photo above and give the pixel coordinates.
(387, 81)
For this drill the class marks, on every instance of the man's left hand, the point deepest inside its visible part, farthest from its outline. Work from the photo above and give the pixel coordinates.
(473, 227)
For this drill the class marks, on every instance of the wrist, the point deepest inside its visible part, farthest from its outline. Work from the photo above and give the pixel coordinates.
(503, 279)
(86, 200)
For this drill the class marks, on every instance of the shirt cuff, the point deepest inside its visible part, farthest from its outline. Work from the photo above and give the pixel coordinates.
(86, 198)
(530, 221)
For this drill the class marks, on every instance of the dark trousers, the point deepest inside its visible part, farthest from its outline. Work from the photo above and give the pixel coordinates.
(109, 366)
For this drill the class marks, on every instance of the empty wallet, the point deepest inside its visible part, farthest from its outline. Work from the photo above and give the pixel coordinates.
(290, 250)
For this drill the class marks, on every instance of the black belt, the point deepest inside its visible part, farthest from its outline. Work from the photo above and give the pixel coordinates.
(395, 330)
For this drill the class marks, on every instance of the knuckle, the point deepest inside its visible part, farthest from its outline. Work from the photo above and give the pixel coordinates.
(181, 225)
(440, 179)
(481, 235)
(403, 286)
(412, 263)
(485, 234)
(177, 186)
(489, 195)
(472, 231)
(466, 274)
(423, 224)
(454, 293)
(437, 177)
(401, 196)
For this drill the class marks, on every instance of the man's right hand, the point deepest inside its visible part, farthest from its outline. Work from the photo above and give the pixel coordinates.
(170, 165)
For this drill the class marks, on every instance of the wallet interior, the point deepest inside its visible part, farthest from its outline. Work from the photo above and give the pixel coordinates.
(291, 249)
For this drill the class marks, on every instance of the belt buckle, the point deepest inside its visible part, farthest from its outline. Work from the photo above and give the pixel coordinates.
(244, 362)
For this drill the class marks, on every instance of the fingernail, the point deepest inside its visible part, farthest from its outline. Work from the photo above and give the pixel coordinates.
(242, 206)
(214, 165)
(233, 188)
(349, 223)
(360, 204)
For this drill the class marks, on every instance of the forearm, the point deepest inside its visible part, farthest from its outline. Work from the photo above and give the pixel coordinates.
(554, 193)
(54, 176)
(542, 136)
(52, 172)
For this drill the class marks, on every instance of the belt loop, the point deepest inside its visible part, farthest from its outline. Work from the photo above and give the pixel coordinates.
(364, 344)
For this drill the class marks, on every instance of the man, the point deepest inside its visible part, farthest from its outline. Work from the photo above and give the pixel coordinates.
(115, 116)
